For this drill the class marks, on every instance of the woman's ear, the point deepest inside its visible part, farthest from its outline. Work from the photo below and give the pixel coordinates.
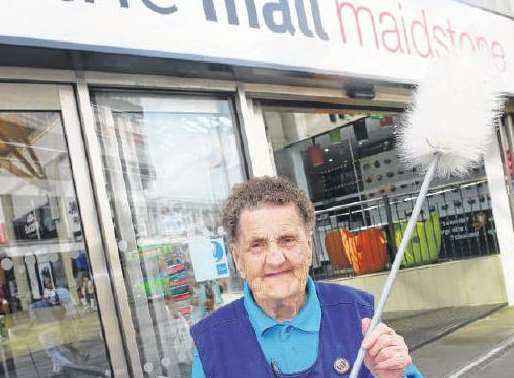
(310, 243)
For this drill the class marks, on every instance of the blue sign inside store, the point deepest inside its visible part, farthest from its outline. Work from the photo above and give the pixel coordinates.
(209, 258)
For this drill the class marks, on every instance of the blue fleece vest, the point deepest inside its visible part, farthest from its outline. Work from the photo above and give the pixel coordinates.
(228, 347)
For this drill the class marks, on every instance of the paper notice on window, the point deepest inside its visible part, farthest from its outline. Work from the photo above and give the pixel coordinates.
(209, 259)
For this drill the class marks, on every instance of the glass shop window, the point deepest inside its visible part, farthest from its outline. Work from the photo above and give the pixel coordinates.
(170, 162)
(347, 163)
(49, 317)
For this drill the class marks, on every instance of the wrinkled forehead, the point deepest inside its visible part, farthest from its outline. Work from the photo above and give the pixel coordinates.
(268, 219)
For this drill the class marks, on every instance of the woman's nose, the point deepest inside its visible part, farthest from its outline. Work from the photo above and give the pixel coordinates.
(275, 256)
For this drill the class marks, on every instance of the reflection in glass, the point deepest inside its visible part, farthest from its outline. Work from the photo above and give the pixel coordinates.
(169, 162)
(49, 323)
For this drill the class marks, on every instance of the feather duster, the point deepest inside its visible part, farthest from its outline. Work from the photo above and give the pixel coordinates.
(446, 131)
(453, 113)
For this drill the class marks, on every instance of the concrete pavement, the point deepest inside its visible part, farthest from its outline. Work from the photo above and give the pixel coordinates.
(422, 327)
(499, 366)
(466, 352)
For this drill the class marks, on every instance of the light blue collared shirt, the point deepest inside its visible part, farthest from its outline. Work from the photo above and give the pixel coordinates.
(299, 336)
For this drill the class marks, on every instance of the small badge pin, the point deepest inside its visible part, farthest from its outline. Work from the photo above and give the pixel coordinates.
(341, 365)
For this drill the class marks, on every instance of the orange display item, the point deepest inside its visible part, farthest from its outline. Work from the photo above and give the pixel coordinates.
(315, 155)
(335, 250)
(366, 250)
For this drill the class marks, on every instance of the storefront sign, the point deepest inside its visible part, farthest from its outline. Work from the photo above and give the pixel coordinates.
(391, 40)
(468, 234)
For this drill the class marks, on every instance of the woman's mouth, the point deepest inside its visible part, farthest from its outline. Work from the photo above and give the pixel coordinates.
(277, 274)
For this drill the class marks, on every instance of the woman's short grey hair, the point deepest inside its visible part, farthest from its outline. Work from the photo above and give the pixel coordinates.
(260, 191)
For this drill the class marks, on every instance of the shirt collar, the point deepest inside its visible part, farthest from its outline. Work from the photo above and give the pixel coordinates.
(308, 319)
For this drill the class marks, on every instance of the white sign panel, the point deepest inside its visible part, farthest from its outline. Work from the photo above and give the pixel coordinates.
(209, 259)
(382, 39)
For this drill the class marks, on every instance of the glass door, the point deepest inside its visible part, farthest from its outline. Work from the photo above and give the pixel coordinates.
(51, 301)
(169, 163)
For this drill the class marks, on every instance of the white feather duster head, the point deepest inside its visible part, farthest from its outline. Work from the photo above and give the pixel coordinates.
(453, 114)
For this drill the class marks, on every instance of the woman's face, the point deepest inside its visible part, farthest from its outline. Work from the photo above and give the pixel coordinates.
(273, 251)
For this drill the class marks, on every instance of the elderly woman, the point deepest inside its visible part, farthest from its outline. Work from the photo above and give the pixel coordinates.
(286, 325)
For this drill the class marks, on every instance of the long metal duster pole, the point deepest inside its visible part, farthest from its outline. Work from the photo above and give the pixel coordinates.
(397, 261)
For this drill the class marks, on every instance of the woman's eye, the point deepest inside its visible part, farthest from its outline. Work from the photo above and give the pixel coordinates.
(289, 241)
(256, 247)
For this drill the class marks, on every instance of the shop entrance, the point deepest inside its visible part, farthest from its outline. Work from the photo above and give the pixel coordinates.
(169, 163)
(345, 158)
(49, 311)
